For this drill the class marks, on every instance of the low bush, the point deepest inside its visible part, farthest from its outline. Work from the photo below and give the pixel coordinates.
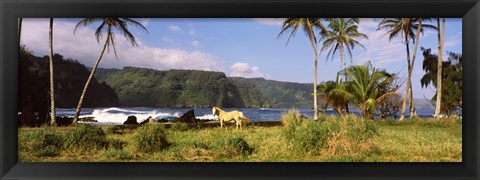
(332, 133)
(239, 145)
(47, 143)
(150, 138)
(86, 137)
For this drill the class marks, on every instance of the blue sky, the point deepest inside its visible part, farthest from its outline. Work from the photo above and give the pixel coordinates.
(238, 47)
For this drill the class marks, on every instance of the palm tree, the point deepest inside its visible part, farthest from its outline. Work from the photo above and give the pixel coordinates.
(364, 82)
(451, 79)
(441, 41)
(343, 35)
(107, 26)
(336, 101)
(53, 121)
(309, 25)
(404, 27)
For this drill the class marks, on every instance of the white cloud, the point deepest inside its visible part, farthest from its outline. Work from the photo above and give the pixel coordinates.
(240, 69)
(270, 21)
(174, 28)
(380, 50)
(195, 43)
(84, 47)
(192, 31)
(168, 39)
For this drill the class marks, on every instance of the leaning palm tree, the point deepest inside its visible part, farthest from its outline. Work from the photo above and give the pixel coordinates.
(108, 25)
(404, 27)
(441, 41)
(308, 25)
(53, 121)
(364, 82)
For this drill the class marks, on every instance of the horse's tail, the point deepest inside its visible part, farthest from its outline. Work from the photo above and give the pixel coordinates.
(245, 119)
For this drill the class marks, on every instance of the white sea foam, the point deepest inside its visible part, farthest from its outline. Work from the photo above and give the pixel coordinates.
(119, 115)
(207, 116)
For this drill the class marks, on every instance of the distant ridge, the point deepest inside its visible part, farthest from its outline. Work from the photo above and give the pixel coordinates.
(197, 88)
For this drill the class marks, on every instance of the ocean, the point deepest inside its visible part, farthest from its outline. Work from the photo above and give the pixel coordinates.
(117, 115)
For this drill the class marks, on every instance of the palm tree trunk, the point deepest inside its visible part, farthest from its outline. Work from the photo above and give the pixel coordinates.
(342, 51)
(413, 111)
(19, 31)
(402, 115)
(80, 102)
(315, 102)
(53, 120)
(441, 41)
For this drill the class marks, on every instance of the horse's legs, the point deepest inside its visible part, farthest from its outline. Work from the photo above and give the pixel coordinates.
(237, 122)
(221, 123)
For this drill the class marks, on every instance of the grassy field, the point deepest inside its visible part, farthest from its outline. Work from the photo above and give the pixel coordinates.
(332, 140)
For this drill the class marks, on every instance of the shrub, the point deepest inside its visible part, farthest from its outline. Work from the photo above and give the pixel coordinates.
(359, 129)
(240, 145)
(180, 126)
(47, 143)
(150, 138)
(86, 137)
(337, 133)
(50, 151)
(303, 134)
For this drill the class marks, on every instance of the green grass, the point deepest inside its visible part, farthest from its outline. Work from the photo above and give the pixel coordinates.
(331, 140)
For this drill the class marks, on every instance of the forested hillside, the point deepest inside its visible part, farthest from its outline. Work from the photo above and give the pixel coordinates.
(192, 88)
(180, 88)
(282, 94)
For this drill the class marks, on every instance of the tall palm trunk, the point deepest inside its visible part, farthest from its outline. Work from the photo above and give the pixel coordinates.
(342, 53)
(53, 120)
(19, 31)
(413, 111)
(402, 116)
(80, 102)
(441, 41)
(315, 102)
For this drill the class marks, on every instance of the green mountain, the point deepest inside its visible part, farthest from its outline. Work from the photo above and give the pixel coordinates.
(192, 88)
(180, 88)
(70, 77)
(283, 94)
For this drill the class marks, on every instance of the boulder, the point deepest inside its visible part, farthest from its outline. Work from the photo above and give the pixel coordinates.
(131, 120)
(149, 120)
(188, 117)
(162, 120)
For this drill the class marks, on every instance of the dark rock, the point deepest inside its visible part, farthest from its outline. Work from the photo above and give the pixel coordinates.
(188, 117)
(131, 120)
(162, 120)
(64, 120)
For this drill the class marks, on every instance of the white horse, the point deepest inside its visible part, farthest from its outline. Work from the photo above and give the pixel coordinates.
(223, 116)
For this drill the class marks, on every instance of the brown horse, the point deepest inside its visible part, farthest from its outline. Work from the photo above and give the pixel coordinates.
(223, 116)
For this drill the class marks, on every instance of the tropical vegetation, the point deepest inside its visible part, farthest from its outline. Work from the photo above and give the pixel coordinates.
(405, 27)
(451, 80)
(308, 25)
